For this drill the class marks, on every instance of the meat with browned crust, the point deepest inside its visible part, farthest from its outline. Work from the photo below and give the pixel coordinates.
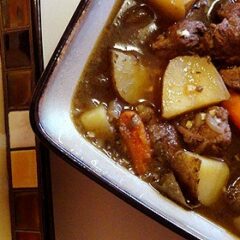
(231, 77)
(206, 131)
(223, 40)
(165, 144)
(229, 9)
(163, 135)
(183, 37)
(165, 140)
(233, 195)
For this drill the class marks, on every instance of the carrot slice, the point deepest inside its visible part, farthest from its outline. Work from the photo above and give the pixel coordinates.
(233, 107)
(136, 139)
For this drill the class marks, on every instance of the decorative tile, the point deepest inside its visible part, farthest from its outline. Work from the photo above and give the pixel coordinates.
(21, 134)
(15, 13)
(24, 169)
(26, 211)
(27, 236)
(19, 88)
(17, 49)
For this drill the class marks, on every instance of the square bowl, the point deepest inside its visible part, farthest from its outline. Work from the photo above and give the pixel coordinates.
(51, 121)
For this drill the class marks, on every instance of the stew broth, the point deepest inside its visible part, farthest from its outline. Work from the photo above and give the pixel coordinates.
(133, 27)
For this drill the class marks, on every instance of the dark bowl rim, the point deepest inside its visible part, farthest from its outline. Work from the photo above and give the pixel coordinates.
(68, 157)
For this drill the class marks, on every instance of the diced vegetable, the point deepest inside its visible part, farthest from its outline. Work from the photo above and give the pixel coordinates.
(204, 177)
(132, 80)
(174, 9)
(135, 137)
(233, 107)
(213, 176)
(96, 122)
(189, 83)
(236, 222)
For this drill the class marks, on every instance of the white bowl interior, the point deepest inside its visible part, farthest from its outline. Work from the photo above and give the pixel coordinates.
(56, 123)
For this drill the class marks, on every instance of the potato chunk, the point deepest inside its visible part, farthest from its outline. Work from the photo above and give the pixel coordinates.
(175, 9)
(213, 176)
(186, 167)
(204, 177)
(189, 83)
(96, 122)
(132, 80)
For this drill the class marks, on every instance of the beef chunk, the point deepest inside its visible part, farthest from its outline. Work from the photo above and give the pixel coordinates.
(165, 143)
(231, 77)
(233, 195)
(229, 9)
(163, 136)
(206, 132)
(165, 140)
(181, 38)
(223, 40)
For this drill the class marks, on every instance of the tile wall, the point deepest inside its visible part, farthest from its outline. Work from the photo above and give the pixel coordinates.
(17, 52)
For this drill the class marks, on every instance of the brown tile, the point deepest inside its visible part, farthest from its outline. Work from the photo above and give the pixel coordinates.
(26, 207)
(15, 13)
(27, 236)
(19, 88)
(24, 169)
(17, 49)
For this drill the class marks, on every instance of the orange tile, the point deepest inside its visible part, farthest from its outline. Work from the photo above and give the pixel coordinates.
(24, 169)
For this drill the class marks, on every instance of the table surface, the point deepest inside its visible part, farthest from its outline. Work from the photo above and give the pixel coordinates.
(83, 209)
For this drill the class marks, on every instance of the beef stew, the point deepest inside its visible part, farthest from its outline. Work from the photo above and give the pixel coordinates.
(153, 98)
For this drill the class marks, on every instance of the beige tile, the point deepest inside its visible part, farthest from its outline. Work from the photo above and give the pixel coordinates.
(21, 134)
(24, 169)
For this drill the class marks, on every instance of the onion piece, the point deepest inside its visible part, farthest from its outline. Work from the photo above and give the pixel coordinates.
(214, 124)
(114, 110)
